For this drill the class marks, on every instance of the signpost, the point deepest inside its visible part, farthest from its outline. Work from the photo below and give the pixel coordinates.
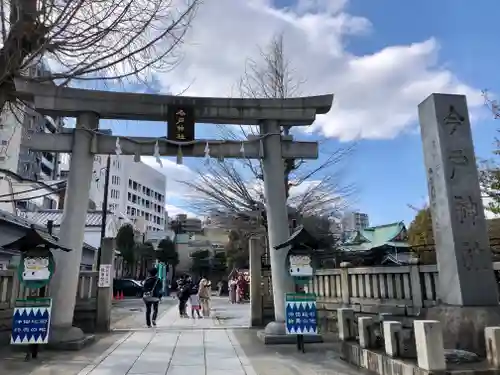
(104, 276)
(301, 314)
(31, 321)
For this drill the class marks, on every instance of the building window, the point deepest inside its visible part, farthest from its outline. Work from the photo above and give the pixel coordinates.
(115, 194)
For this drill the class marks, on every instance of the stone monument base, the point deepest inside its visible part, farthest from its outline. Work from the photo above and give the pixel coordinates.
(463, 327)
(275, 334)
(68, 338)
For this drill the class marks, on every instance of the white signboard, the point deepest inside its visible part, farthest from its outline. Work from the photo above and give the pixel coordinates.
(104, 276)
(300, 265)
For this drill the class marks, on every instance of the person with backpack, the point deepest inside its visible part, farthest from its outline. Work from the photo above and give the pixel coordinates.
(152, 293)
(183, 294)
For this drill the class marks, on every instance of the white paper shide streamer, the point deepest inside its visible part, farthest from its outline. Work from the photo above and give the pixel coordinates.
(157, 155)
(118, 147)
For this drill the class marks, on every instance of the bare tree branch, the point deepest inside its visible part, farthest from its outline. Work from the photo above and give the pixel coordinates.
(230, 190)
(90, 39)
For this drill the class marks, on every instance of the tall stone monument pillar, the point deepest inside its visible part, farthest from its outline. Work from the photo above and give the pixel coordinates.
(277, 221)
(64, 285)
(467, 290)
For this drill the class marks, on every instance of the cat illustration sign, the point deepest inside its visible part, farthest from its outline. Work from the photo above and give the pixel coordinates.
(36, 269)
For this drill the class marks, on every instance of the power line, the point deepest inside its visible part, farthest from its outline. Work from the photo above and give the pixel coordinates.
(30, 198)
(35, 189)
(18, 177)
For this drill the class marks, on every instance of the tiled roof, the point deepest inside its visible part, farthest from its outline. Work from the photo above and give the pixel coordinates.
(43, 216)
(374, 237)
(18, 220)
(27, 223)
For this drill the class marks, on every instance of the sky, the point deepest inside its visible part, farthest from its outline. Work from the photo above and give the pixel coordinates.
(380, 58)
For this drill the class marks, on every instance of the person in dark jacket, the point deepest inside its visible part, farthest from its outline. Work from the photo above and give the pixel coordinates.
(152, 295)
(183, 294)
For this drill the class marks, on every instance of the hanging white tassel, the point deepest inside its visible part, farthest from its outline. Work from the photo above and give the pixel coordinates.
(157, 155)
(179, 156)
(242, 148)
(118, 147)
(207, 153)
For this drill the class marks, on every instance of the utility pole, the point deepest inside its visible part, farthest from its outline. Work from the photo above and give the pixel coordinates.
(104, 216)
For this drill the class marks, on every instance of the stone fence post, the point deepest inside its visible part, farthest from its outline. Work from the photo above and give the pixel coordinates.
(416, 285)
(256, 304)
(16, 285)
(105, 293)
(344, 283)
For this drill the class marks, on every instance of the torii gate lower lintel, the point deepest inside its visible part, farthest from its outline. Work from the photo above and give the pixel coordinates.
(106, 145)
(89, 106)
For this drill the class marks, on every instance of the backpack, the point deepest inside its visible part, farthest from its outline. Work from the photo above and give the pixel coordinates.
(148, 296)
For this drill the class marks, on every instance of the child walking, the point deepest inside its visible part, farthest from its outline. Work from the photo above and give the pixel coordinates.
(194, 301)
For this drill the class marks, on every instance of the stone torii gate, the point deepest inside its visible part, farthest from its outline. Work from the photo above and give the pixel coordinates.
(83, 142)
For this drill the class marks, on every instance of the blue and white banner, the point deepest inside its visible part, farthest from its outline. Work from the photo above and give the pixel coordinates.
(301, 316)
(31, 325)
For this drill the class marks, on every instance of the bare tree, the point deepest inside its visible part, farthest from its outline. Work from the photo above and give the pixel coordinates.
(489, 169)
(234, 189)
(90, 39)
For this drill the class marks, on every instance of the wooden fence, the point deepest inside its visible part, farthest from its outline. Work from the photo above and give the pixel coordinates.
(11, 289)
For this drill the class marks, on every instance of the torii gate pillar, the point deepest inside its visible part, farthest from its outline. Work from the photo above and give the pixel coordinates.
(64, 283)
(277, 221)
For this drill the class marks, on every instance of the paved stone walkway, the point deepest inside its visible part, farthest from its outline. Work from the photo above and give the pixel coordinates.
(180, 346)
(177, 346)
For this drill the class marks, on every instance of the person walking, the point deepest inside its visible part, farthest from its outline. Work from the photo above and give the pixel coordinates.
(194, 302)
(152, 293)
(183, 294)
(204, 292)
(240, 289)
(232, 290)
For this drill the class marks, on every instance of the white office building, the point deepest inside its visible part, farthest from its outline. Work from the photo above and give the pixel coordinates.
(353, 221)
(136, 190)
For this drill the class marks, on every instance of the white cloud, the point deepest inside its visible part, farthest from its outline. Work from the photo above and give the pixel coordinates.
(376, 94)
